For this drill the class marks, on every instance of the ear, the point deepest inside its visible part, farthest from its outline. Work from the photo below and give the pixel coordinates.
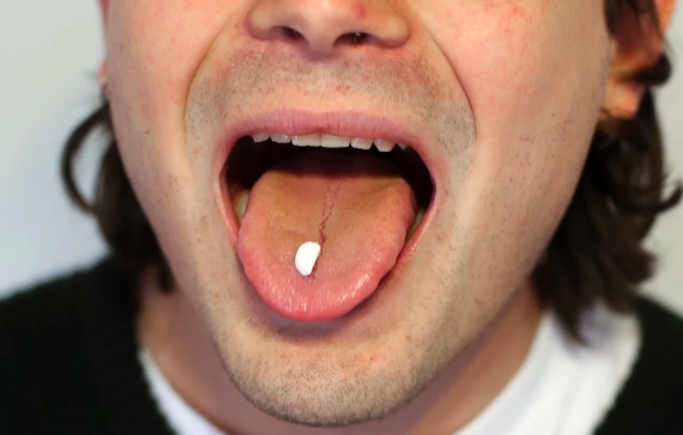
(102, 74)
(104, 8)
(636, 45)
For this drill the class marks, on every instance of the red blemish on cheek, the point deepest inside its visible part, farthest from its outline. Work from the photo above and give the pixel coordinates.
(377, 356)
(518, 12)
(409, 338)
(509, 16)
(360, 11)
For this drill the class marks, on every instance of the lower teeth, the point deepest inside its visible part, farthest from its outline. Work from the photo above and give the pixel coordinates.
(239, 203)
(418, 218)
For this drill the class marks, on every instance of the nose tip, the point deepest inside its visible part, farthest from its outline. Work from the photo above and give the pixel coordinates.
(323, 25)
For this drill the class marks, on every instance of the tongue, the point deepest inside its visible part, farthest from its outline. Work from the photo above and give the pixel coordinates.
(357, 207)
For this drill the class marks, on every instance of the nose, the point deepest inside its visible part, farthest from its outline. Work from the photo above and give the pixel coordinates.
(321, 26)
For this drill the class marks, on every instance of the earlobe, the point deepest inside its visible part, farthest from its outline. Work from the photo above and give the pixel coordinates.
(104, 9)
(104, 5)
(102, 73)
(638, 46)
(103, 79)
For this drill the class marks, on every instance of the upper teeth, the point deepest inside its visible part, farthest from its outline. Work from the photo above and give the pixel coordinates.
(327, 141)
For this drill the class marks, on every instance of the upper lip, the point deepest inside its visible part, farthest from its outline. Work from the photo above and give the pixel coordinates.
(344, 124)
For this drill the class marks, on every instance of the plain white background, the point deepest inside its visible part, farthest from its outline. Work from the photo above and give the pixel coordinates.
(50, 52)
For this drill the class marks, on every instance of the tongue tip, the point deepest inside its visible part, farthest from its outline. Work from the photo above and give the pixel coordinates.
(301, 314)
(303, 298)
(305, 309)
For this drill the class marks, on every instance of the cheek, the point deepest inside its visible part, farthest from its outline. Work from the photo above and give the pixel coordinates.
(508, 69)
(521, 63)
(533, 86)
(153, 51)
(534, 89)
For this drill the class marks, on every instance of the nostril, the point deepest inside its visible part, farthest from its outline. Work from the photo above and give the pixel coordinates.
(318, 27)
(292, 34)
(289, 33)
(353, 38)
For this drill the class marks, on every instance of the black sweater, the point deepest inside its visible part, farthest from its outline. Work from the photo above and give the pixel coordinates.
(69, 364)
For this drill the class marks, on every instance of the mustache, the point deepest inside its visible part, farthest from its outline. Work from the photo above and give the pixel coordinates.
(410, 91)
(245, 75)
(399, 78)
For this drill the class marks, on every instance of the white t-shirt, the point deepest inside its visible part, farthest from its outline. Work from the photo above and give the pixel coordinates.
(562, 388)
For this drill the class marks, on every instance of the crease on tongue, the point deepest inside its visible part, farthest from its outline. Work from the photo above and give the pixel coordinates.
(358, 207)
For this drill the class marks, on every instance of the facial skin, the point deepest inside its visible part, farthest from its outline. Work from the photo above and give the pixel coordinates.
(506, 96)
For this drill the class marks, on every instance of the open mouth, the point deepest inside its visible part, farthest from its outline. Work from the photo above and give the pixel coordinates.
(360, 200)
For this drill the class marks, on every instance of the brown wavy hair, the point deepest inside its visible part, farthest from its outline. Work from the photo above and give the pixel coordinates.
(597, 252)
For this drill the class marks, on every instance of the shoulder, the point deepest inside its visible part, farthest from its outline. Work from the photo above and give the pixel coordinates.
(53, 306)
(54, 312)
(655, 317)
(660, 363)
(46, 336)
(31, 304)
(651, 400)
(57, 302)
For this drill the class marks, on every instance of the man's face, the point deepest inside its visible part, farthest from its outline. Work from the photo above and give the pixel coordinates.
(499, 98)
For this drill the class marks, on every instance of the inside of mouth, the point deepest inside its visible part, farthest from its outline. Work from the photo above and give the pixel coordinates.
(249, 160)
(358, 207)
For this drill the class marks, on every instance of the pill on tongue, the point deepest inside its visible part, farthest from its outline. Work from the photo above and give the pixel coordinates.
(306, 257)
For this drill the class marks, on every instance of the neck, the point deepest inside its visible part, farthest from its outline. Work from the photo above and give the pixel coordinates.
(173, 332)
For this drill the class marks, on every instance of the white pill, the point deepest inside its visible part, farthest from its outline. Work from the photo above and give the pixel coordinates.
(306, 257)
